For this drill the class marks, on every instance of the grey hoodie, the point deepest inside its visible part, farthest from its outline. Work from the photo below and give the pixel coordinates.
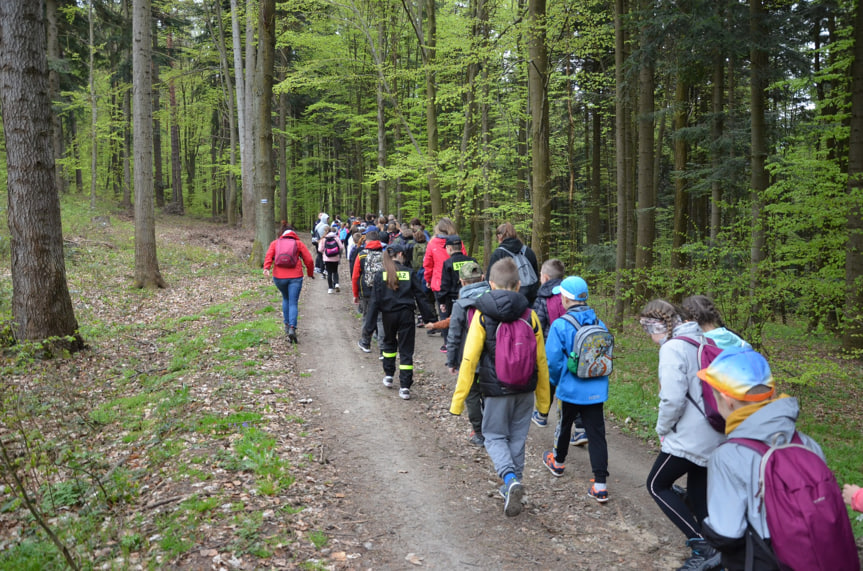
(458, 323)
(683, 428)
(733, 470)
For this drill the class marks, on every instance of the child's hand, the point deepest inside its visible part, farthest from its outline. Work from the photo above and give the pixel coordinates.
(848, 492)
(429, 325)
(356, 300)
(453, 370)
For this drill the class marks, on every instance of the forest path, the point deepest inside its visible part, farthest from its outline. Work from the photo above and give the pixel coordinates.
(409, 490)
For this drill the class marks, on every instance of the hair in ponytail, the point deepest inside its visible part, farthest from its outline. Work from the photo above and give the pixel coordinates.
(391, 271)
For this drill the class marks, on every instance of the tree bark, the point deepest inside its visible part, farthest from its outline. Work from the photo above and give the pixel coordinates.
(537, 76)
(646, 213)
(621, 120)
(249, 129)
(263, 93)
(853, 336)
(716, 128)
(54, 87)
(759, 180)
(594, 219)
(231, 202)
(159, 182)
(176, 160)
(431, 110)
(93, 110)
(127, 150)
(681, 191)
(41, 304)
(147, 273)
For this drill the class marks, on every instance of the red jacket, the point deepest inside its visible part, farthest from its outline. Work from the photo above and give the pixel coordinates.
(297, 271)
(436, 255)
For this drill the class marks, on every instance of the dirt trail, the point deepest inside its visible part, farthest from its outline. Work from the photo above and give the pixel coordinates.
(408, 490)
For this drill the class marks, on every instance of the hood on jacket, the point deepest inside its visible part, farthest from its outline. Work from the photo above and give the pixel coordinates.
(545, 289)
(290, 234)
(514, 245)
(325, 218)
(331, 234)
(373, 245)
(688, 329)
(725, 338)
(778, 416)
(473, 291)
(502, 305)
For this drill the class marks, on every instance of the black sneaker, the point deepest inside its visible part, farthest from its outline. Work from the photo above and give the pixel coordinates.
(364, 347)
(432, 332)
(703, 558)
(292, 335)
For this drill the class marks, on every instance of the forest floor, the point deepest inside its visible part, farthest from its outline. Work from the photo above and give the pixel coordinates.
(375, 482)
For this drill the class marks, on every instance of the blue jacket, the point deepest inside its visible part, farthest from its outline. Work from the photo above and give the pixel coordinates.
(558, 346)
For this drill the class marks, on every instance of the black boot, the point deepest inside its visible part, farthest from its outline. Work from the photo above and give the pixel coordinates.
(292, 335)
(703, 558)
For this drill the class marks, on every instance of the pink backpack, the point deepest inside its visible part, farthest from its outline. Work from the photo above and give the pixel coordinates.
(287, 253)
(554, 307)
(515, 351)
(806, 517)
(706, 353)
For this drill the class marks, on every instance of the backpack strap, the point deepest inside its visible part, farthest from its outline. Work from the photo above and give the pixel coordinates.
(698, 346)
(765, 450)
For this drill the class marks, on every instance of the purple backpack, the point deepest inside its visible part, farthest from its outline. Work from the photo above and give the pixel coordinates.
(806, 517)
(554, 307)
(286, 255)
(515, 352)
(706, 353)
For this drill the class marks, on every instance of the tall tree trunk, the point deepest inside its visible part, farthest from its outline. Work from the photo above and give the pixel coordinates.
(594, 217)
(248, 151)
(537, 77)
(76, 155)
(127, 150)
(176, 160)
(245, 169)
(264, 180)
(681, 192)
(159, 182)
(93, 110)
(53, 46)
(621, 121)
(431, 110)
(853, 336)
(283, 156)
(382, 143)
(716, 126)
(147, 273)
(41, 304)
(645, 218)
(759, 180)
(231, 202)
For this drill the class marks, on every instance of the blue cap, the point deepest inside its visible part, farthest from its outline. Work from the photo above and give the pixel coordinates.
(573, 287)
(371, 228)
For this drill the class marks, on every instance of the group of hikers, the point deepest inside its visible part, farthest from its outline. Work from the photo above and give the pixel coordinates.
(518, 334)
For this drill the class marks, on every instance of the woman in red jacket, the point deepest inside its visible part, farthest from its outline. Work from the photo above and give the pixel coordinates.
(284, 255)
(436, 255)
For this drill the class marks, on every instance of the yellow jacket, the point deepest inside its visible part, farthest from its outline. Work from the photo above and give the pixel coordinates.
(473, 348)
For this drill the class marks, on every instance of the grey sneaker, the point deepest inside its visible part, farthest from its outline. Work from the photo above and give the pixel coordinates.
(476, 439)
(703, 558)
(539, 419)
(388, 382)
(514, 493)
(405, 393)
(579, 438)
(364, 347)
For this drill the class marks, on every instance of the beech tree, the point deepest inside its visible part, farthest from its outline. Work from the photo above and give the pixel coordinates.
(41, 305)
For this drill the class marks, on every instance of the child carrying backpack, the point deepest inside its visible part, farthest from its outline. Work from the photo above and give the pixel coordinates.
(580, 389)
(687, 438)
(332, 250)
(773, 503)
(505, 347)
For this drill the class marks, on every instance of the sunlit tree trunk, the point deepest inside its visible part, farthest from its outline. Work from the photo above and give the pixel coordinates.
(431, 110)
(159, 179)
(537, 76)
(93, 110)
(176, 162)
(681, 192)
(41, 304)
(250, 128)
(231, 202)
(127, 150)
(621, 133)
(146, 263)
(759, 181)
(54, 86)
(645, 217)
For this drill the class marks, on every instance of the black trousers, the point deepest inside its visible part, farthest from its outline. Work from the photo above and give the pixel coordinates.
(594, 426)
(474, 403)
(666, 470)
(399, 335)
(332, 273)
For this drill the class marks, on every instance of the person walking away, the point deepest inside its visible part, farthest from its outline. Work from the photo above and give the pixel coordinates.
(687, 438)
(472, 287)
(450, 282)
(436, 255)
(320, 230)
(512, 372)
(369, 262)
(755, 520)
(509, 246)
(332, 249)
(418, 257)
(284, 256)
(395, 294)
(576, 395)
(703, 311)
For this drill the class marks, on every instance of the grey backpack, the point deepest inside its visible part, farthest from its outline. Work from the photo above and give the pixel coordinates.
(374, 265)
(592, 349)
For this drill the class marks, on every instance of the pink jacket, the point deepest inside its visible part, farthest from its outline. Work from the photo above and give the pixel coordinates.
(857, 501)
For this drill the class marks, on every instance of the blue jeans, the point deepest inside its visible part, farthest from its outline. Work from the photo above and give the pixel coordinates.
(290, 288)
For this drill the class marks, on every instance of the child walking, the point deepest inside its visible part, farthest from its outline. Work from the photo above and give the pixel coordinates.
(739, 514)
(450, 283)
(396, 291)
(687, 438)
(332, 249)
(506, 417)
(703, 311)
(577, 396)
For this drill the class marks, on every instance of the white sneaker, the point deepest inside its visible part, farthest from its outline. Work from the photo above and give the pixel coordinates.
(330, 290)
(388, 382)
(405, 393)
(337, 288)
